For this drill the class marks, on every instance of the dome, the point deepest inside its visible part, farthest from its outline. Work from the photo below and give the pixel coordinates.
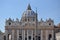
(29, 12)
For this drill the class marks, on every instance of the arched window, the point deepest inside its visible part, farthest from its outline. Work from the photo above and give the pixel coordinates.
(25, 38)
(38, 37)
(29, 37)
(33, 38)
(20, 37)
(50, 36)
(4, 37)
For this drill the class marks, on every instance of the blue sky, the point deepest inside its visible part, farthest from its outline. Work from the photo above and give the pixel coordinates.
(15, 8)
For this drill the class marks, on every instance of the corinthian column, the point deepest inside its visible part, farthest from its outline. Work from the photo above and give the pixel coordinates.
(41, 34)
(24, 34)
(46, 34)
(12, 34)
(52, 34)
(32, 35)
(6, 33)
(27, 34)
(17, 34)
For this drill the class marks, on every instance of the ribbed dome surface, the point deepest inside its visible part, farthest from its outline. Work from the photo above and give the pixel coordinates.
(29, 12)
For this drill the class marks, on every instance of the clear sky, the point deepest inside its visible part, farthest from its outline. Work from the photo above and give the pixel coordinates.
(15, 8)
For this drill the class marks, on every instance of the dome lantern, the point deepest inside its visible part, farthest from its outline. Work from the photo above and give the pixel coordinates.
(29, 7)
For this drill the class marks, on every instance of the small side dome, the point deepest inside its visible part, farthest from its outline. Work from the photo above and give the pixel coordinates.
(41, 20)
(50, 20)
(9, 20)
(29, 13)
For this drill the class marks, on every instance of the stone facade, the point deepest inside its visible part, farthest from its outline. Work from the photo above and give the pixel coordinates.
(29, 28)
(1, 35)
